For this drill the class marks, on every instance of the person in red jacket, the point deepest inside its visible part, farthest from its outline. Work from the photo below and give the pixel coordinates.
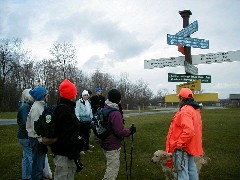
(184, 139)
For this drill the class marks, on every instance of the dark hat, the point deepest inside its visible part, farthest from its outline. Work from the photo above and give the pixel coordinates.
(114, 96)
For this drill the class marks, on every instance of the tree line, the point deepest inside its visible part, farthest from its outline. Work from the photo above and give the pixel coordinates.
(20, 70)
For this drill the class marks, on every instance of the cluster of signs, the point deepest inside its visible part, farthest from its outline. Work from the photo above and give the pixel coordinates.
(192, 79)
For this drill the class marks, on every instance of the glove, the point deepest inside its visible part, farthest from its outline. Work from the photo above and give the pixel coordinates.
(132, 129)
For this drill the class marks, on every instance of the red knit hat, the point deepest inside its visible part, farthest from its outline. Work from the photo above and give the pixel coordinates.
(67, 89)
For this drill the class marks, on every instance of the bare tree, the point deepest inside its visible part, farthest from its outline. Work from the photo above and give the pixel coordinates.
(64, 57)
(9, 60)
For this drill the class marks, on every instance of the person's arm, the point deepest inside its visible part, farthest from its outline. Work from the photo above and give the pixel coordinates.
(186, 123)
(115, 118)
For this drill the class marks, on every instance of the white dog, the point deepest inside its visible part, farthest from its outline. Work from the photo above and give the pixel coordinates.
(166, 162)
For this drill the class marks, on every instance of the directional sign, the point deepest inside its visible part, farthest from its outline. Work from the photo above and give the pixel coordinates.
(189, 68)
(189, 42)
(193, 85)
(190, 29)
(219, 57)
(187, 78)
(164, 62)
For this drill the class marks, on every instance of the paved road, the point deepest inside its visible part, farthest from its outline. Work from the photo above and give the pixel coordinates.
(158, 111)
(163, 110)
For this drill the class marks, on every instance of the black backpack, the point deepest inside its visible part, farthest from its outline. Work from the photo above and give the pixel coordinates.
(45, 125)
(100, 125)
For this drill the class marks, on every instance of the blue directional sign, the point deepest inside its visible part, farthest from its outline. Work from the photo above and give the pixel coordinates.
(190, 29)
(187, 41)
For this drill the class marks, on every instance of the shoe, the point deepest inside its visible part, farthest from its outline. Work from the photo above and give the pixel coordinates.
(82, 152)
(91, 146)
(89, 151)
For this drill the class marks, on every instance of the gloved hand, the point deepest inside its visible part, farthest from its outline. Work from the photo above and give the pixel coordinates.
(132, 129)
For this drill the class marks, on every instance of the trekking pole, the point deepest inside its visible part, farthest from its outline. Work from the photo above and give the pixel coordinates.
(131, 156)
(124, 145)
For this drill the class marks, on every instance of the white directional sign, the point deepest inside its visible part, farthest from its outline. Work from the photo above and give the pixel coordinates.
(187, 41)
(190, 29)
(219, 57)
(210, 58)
(164, 62)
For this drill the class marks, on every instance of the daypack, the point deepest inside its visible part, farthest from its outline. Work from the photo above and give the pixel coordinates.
(100, 125)
(45, 125)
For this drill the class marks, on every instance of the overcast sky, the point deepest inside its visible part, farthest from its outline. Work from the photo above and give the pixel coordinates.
(116, 36)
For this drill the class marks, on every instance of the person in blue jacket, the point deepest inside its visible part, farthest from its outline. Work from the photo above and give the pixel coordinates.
(24, 107)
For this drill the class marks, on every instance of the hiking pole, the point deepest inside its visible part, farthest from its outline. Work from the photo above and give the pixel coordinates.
(131, 156)
(125, 153)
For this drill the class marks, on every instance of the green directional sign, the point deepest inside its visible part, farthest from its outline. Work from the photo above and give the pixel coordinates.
(187, 78)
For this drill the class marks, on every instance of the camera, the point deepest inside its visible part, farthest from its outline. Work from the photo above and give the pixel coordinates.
(79, 165)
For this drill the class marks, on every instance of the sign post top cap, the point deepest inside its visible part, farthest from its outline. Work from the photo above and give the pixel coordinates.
(185, 12)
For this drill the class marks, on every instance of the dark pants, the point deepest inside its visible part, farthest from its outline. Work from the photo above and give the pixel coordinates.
(84, 132)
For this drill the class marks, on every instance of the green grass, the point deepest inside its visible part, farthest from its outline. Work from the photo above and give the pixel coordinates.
(8, 115)
(221, 134)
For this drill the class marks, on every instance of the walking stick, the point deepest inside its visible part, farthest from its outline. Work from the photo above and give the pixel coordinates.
(124, 145)
(131, 156)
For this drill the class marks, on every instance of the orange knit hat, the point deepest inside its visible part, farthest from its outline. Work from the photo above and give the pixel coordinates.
(67, 89)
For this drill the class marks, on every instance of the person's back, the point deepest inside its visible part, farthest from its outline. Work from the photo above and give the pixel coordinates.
(112, 144)
(68, 145)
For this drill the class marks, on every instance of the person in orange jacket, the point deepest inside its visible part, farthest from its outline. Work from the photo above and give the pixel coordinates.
(184, 139)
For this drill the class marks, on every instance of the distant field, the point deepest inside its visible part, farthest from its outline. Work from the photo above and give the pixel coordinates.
(221, 134)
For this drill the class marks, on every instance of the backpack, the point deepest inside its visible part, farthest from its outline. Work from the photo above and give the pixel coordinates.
(100, 125)
(45, 125)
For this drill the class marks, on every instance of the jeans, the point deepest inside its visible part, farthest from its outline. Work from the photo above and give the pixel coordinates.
(26, 158)
(184, 165)
(38, 159)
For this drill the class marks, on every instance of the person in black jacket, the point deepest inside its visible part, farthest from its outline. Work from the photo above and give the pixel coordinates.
(97, 101)
(68, 145)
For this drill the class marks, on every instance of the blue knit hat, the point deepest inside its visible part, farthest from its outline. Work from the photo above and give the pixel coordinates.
(38, 93)
(98, 89)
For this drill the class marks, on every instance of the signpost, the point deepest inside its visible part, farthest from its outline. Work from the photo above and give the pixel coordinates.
(180, 39)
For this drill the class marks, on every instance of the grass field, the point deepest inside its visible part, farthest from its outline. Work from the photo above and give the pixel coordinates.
(221, 134)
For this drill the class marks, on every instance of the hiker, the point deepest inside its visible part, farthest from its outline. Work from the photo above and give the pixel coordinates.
(97, 101)
(84, 114)
(24, 107)
(184, 139)
(39, 150)
(69, 144)
(112, 144)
